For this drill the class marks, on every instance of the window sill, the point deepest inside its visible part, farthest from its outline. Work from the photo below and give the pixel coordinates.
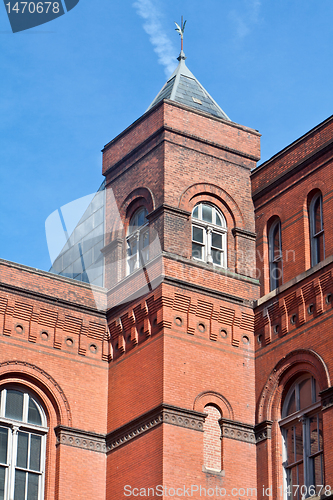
(213, 472)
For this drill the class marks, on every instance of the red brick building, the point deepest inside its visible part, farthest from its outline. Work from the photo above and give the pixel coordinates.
(196, 371)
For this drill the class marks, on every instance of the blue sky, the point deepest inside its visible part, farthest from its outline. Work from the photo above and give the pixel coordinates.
(69, 86)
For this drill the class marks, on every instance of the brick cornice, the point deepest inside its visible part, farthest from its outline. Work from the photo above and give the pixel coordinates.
(163, 414)
(327, 398)
(263, 430)
(239, 431)
(80, 439)
(23, 292)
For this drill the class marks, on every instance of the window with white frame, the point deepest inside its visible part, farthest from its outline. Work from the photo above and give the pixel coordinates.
(22, 446)
(275, 255)
(317, 230)
(302, 431)
(209, 235)
(137, 241)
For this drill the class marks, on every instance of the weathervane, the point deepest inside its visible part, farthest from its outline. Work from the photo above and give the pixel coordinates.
(180, 30)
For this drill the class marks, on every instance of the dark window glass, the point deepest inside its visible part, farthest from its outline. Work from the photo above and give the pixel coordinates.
(14, 405)
(3, 444)
(22, 450)
(32, 486)
(33, 413)
(19, 493)
(35, 449)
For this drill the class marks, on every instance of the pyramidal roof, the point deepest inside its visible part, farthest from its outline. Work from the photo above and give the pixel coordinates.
(184, 88)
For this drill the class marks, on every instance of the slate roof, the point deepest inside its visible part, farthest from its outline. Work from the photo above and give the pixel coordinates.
(184, 88)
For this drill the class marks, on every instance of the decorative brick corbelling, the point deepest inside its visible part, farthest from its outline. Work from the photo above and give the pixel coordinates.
(263, 430)
(163, 414)
(80, 439)
(237, 430)
(327, 398)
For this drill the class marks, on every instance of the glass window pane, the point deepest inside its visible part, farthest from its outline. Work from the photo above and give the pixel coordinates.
(132, 247)
(317, 213)
(145, 239)
(218, 219)
(19, 493)
(298, 441)
(289, 443)
(145, 255)
(318, 470)
(293, 482)
(2, 482)
(197, 234)
(197, 251)
(217, 257)
(35, 449)
(319, 241)
(141, 218)
(32, 486)
(33, 413)
(305, 393)
(314, 437)
(216, 240)
(14, 405)
(320, 431)
(301, 479)
(207, 213)
(276, 242)
(291, 405)
(195, 213)
(22, 450)
(3, 444)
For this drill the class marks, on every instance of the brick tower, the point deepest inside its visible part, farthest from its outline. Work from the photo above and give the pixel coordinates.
(180, 269)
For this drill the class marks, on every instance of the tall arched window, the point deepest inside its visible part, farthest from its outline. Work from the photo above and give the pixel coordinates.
(137, 241)
(209, 235)
(22, 446)
(302, 431)
(317, 229)
(275, 254)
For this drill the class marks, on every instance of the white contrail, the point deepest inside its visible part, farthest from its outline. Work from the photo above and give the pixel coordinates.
(160, 41)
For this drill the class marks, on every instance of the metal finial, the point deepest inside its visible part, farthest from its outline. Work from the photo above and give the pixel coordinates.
(180, 29)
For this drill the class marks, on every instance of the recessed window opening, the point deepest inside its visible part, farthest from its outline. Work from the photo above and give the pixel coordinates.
(302, 432)
(137, 241)
(22, 446)
(275, 255)
(317, 230)
(209, 235)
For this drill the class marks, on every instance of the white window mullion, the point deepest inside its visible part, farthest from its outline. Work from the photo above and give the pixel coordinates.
(209, 257)
(12, 462)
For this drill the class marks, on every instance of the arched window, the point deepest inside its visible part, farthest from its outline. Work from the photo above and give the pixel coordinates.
(137, 241)
(302, 431)
(209, 235)
(22, 446)
(275, 254)
(317, 229)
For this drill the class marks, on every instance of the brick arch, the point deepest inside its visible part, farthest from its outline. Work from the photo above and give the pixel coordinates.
(213, 399)
(32, 377)
(285, 372)
(200, 191)
(142, 193)
(138, 197)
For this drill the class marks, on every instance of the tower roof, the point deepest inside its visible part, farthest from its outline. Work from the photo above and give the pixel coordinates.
(184, 88)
